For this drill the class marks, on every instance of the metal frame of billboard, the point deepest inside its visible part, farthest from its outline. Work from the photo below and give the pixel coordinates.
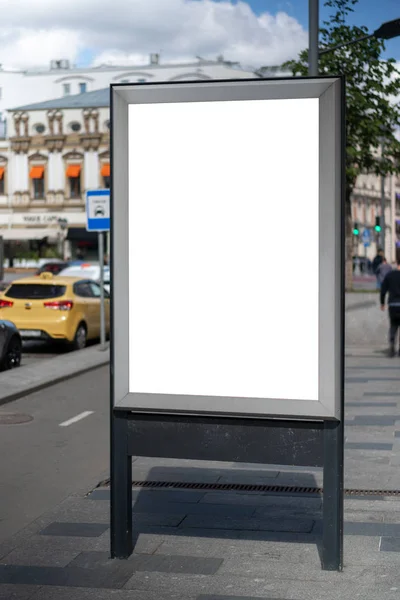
(330, 279)
(268, 430)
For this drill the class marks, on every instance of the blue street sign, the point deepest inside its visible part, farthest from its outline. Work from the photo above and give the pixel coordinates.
(367, 244)
(366, 236)
(98, 210)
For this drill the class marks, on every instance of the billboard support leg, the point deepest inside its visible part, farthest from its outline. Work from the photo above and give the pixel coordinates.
(121, 489)
(332, 538)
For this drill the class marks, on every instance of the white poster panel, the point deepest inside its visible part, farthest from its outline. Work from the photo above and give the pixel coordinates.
(224, 248)
(227, 237)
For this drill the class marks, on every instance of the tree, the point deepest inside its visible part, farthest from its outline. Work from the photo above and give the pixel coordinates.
(372, 84)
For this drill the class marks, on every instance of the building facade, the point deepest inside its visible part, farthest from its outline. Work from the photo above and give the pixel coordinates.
(55, 150)
(366, 206)
(63, 79)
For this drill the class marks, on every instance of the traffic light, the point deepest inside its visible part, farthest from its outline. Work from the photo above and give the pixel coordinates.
(377, 224)
(356, 231)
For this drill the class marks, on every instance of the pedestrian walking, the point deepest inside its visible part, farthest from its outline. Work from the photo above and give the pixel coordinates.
(391, 286)
(383, 269)
(375, 264)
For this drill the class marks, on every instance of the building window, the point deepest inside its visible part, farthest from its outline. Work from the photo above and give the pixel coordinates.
(66, 89)
(75, 126)
(37, 176)
(105, 173)
(2, 183)
(39, 128)
(107, 124)
(124, 81)
(82, 88)
(141, 80)
(73, 175)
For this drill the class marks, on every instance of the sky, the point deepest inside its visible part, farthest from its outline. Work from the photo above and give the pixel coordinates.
(91, 32)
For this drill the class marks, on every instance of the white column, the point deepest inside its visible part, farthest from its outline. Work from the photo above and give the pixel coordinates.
(95, 169)
(58, 171)
(17, 177)
(24, 172)
(87, 171)
(50, 172)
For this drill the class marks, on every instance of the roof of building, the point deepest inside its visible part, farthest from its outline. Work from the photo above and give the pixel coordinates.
(200, 62)
(95, 99)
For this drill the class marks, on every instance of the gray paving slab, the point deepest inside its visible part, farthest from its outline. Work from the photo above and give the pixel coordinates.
(260, 500)
(75, 529)
(163, 583)
(158, 507)
(390, 544)
(372, 405)
(68, 576)
(16, 592)
(383, 394)
(219, 597)
(191, 565)
(368, 446)
(252, 524)
(62, 593)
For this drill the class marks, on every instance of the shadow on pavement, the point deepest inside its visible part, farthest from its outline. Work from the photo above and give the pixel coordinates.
(228, 514)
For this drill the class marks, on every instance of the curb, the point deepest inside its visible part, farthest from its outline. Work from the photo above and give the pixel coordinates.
(27, 389)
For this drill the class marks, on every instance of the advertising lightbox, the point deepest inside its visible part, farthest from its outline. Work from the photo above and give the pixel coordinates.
(227, 247)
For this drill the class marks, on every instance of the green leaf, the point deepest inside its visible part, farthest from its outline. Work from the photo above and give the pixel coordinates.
(371, 86)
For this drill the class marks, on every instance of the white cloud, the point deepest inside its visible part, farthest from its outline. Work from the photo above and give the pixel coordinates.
(127, 31)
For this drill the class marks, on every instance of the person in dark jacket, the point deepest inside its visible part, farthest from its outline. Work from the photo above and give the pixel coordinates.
(383, 269)
(376, 263)
(391, 286)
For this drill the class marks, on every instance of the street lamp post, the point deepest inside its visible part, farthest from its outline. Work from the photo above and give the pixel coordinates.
(313, 30)
(383, 203)
(386, 31)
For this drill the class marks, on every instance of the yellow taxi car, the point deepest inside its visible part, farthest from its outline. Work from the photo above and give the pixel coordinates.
(54, 308)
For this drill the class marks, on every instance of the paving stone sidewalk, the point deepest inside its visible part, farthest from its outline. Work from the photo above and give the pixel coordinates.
(225, 545)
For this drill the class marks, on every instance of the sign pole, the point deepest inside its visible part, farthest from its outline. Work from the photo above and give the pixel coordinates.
(102, 307)
(332, 541)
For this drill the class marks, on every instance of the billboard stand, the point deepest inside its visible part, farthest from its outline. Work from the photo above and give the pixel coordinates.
(121, 490)
(202, 359)
(332, 506)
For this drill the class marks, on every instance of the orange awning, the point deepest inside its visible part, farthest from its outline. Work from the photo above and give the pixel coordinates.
(105, 170)
(36, 173)
(73, 170)
(1, 172)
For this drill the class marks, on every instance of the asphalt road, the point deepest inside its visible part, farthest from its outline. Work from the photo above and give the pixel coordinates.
(44, 461)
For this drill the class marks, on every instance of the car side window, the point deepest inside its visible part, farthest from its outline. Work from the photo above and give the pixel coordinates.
(95, 289)
(83, 289)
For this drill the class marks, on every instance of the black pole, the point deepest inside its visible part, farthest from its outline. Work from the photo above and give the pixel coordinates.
(120, 461)
(345, 44)
(121, 489)
(313, 29)
(332, 536)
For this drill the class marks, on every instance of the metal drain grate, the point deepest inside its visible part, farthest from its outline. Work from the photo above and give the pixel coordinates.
(244, 487)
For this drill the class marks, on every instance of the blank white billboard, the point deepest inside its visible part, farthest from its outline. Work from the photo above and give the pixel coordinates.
(224, 248)
(226, 226)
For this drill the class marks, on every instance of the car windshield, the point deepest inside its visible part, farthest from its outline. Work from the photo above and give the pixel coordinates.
(35, 291)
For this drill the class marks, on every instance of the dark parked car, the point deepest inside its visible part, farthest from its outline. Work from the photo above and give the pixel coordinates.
(52, 267)
(10, 346)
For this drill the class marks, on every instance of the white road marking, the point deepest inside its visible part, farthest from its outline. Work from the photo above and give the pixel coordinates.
(77, 418)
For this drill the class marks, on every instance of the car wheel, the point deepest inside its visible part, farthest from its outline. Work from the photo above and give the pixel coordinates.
(80, 338)
(12, 358)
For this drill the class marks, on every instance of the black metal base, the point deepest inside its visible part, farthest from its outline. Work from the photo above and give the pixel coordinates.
(272, 441)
